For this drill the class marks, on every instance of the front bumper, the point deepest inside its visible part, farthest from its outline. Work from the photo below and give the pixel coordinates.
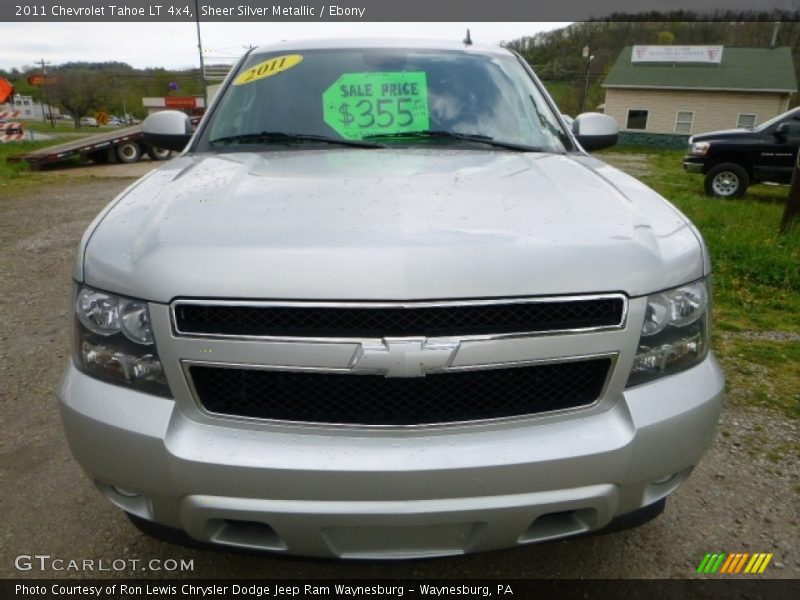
(394, 493)
(693, 164)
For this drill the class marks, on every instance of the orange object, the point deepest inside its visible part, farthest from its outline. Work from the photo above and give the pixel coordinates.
(39, 80)
(6, 90)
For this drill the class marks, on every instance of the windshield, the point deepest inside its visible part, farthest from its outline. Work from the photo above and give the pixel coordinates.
(775, 120)
(380, 97)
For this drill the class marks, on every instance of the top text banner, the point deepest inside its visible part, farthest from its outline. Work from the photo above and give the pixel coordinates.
(363, 10)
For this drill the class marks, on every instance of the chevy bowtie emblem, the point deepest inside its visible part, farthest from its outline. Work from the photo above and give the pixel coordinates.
(404, 357)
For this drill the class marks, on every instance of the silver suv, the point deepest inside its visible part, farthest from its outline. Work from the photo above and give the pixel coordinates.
(385, 305)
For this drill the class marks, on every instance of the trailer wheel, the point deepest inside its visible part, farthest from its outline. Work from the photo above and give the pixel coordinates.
(158, 153)
(128, 152)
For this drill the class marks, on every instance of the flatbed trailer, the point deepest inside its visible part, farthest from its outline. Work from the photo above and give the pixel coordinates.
(121, 145)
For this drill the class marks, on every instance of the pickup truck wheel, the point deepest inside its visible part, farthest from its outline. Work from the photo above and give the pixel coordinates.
(158, 153)
(726, 180)
(128, 152)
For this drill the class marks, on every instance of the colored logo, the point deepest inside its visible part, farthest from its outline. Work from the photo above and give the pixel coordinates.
(742, 562)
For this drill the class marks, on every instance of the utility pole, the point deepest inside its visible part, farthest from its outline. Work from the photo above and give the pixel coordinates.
(589, 58)
(200, 51)
(775, 28)
(122, 97)
(47, 93)
(791, 211)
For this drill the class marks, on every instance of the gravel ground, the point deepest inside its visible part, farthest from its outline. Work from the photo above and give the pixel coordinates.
(113, 170)
(738, 499)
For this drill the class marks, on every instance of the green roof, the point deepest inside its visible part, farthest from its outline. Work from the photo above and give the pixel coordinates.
(755, 69)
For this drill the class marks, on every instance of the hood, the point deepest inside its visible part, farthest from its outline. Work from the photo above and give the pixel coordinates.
(387, 224)
(723, 134)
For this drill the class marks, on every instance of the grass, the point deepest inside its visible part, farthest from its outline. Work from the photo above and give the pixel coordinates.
(756, 282)
(762, 373)
(62, 127)
(17, 175)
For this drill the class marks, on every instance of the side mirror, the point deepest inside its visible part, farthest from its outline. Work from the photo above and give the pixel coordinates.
(595, 131)
(781, 131)
(169, 129)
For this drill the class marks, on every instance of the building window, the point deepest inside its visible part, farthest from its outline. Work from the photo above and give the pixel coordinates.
(28, 111)
(746, 120)
(683, 121)
(637, 119)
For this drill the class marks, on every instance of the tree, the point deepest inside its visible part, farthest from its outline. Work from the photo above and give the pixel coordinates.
(666, 38)
(78, 91)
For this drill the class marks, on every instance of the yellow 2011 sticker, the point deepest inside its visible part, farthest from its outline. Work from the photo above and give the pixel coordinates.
(270, 67)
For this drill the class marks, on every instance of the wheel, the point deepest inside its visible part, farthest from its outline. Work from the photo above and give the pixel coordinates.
(128, 152)
(726, 180)
(158, 153)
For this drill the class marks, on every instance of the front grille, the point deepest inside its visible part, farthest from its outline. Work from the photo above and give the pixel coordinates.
(377, 400)
(364, 321)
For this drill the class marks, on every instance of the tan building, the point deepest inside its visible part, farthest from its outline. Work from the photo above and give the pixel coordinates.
(683, 90)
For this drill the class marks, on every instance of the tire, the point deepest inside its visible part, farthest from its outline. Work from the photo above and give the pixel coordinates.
(726, 180)
(158, 153)
(129, 152)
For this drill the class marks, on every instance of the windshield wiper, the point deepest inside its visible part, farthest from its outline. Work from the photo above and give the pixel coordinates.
(285, 136)
(467, 137)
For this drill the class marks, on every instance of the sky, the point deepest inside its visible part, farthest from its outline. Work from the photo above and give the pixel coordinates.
(174, 45)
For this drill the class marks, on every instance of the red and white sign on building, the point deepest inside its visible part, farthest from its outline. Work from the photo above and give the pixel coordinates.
(677, 54)
(186, 103)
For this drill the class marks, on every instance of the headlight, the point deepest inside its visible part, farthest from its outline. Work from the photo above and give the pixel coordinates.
(98, 312)
(135, 321)
(699, 148)
(113, 341)
(674, 334)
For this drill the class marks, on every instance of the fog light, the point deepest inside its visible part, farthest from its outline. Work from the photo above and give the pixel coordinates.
(129, 501)
(124, 492)
(663, 480)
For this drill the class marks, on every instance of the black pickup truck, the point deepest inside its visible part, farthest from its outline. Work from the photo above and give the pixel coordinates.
(733, 159)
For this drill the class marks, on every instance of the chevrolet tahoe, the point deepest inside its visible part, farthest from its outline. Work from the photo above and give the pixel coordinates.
(385, 305)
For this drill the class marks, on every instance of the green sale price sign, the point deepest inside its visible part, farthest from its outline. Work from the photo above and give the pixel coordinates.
(360, 105)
